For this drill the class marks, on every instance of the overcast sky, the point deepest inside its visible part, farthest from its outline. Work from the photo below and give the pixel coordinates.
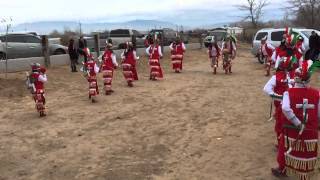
(123, 10)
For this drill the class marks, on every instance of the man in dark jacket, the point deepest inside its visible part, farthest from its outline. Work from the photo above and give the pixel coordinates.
(314, 45)
(73, 53)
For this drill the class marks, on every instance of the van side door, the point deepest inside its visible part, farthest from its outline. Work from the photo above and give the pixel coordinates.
(33, 45)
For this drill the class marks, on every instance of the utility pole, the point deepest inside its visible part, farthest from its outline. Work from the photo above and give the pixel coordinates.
(80, 28)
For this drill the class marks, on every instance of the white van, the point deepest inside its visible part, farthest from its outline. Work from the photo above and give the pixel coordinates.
(275, 36)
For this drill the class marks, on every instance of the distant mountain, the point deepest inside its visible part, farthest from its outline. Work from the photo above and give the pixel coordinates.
(45, 27)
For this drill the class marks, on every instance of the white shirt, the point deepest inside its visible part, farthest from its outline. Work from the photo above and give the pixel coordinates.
(269, 87)
(114, 60)
(96, 68)
(42, 78)
(159, 51)
(288, 112)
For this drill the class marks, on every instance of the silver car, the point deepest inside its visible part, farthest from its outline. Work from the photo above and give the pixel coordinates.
(26, 45)
(275, 36)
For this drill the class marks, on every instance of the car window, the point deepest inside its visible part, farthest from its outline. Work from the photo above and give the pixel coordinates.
(277, 36)
(15, 38)
(2, 39)
(31, 39)
(261, 35)
(136, 33)
(120, 33)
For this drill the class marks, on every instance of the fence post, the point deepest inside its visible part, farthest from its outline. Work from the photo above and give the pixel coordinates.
(134, 41)
(162, 42)
(97, 44)
(45, 50)
(200, 41)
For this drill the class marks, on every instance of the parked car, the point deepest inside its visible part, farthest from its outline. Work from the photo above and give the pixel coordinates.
(274, 37)
(169, 35)
(26, 45)
(217, 35)
(121, 36)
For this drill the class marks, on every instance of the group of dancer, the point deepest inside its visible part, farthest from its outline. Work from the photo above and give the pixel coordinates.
(106, 65)
(227, 51)
(297, 106)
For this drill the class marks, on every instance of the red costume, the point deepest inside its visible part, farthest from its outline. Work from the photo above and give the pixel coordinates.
(298, 145)
(303, 157)
(154, 52)
(107, 68)
(267, 51)
(214, 54)
(92, 70)
(36, 82)
(177, 51)
(129, 67)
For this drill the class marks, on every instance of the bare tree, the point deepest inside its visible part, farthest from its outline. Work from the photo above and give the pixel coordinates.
(254, 9)
(306, 12)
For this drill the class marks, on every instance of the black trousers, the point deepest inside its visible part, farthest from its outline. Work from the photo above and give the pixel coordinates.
(73, 63)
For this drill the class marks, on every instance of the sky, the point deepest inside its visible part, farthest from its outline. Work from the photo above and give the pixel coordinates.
(185, 12)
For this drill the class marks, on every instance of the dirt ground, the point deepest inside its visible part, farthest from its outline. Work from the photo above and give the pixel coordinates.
(190, 126)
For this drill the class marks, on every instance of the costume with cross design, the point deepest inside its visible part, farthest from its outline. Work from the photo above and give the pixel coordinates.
(298, 144)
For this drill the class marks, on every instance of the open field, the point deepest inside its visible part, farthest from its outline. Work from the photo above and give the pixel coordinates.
(190, 126)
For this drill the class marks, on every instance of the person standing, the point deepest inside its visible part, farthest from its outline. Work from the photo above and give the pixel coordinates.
(298, 147)
(266, 51)
(229, 50)
(36, 81)
(314, 46)
(91, 70)
(275, 87)
(155, 53)
(177, 50)
(73, 54)
(109, 63)
(129, 58)
(214, 52)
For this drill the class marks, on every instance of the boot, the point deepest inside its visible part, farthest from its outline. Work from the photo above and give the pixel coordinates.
(75, 68)
(108, 93)
(230, 69)
(277, 172)
(130, 84)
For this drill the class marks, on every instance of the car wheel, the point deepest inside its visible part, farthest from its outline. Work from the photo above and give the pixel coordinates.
(2, 56)
(260, 58)
(59, 52)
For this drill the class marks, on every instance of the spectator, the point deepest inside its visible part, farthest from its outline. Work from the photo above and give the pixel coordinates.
(314, 45)
(73, 53)
(82, 47)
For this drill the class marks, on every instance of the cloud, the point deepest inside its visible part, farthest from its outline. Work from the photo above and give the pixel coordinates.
(114, 10)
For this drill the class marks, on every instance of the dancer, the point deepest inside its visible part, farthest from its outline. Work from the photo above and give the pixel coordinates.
(109, 63)
(177, 50)
(229, 51)
(154, 52)
(91, 70)
(266, 51)
(129, 58)
(214, 52)
(298, 147)
(35, 82)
